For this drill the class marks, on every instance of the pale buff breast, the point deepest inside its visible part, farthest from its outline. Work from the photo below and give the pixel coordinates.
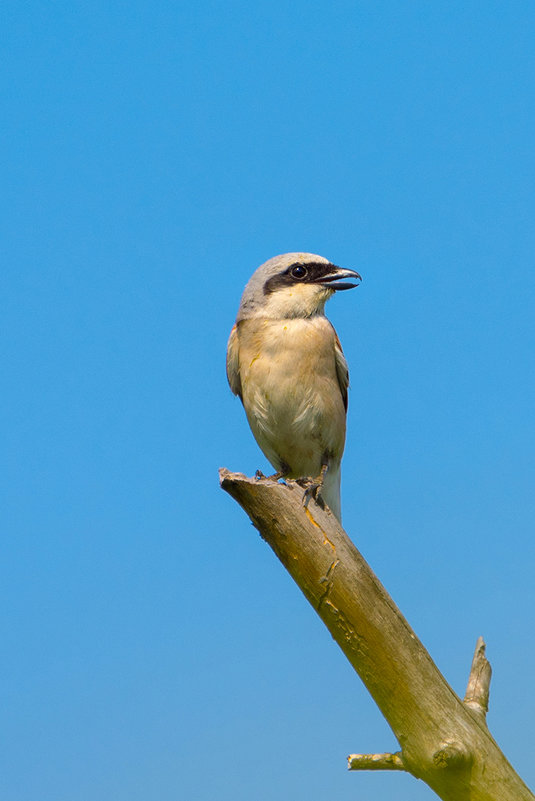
(290, 391)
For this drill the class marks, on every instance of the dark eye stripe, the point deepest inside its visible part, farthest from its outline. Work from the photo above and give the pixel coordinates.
(314, 271)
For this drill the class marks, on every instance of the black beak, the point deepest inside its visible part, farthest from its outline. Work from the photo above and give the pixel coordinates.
(335, 279)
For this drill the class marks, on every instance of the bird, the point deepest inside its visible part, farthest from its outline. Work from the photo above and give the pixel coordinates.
(286, 364)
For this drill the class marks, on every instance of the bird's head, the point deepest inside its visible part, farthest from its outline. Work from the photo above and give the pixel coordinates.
(293, 285)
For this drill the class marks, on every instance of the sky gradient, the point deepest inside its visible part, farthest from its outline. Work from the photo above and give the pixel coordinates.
(153, 155)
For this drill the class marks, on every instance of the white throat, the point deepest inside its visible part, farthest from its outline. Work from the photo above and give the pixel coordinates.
(298, 300)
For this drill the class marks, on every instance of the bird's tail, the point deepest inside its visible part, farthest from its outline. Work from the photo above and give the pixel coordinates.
(330, 490)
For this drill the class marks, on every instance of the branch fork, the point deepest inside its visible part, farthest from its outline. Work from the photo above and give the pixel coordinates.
(450, 754)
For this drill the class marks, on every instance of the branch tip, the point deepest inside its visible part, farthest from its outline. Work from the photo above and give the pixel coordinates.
(226, 475)
(376, 761)
(477, 691)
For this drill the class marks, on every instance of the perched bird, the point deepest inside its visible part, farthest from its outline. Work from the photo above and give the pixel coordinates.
(285, 362)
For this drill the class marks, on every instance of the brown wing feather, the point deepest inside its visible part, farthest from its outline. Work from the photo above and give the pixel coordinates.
(342, 371)
(233, 363)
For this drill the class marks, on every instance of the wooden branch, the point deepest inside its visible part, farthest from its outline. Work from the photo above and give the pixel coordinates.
(443, 741)
(376, 761)
(477, 692)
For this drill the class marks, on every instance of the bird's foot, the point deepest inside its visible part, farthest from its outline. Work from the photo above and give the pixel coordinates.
(313, 487)
(275, 477)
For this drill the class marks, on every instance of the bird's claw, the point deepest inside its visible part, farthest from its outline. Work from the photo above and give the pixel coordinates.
(275, 477)
(312, 489)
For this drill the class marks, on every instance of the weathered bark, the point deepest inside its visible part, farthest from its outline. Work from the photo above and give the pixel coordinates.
(443, 740)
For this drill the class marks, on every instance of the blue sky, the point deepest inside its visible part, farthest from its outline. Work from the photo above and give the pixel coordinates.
(153, 155)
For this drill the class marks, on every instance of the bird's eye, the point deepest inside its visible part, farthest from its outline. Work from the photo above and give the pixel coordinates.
(298, 271)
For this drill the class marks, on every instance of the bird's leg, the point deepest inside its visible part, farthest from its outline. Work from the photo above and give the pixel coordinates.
(313, 487)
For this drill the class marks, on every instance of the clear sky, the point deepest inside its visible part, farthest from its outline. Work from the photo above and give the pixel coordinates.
(153, 155)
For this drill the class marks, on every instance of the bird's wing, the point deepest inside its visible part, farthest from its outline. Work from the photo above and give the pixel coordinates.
(342, 371)
(233, 362)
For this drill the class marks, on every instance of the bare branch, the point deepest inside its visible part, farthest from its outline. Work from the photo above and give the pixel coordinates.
(477, 691)
(442, 742)
(375, 761)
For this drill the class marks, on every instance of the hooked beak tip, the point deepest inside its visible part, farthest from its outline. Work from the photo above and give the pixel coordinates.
(338, 280)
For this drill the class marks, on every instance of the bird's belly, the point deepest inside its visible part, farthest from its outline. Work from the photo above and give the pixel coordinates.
(294, 407)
